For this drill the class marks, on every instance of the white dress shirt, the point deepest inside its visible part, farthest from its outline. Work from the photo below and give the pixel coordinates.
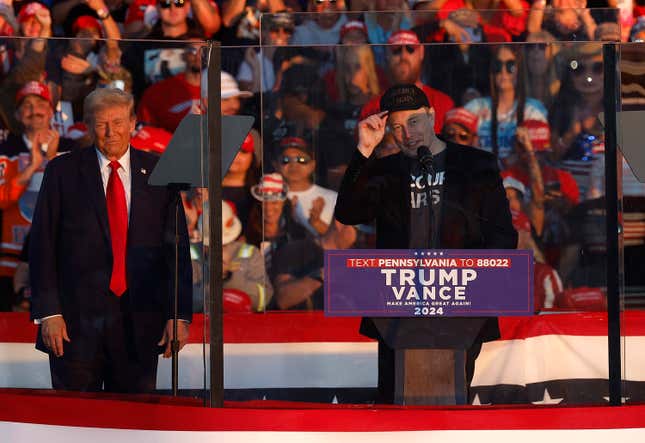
(124, 174)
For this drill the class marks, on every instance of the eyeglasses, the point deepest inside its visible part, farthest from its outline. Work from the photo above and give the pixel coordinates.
(459, 136)
(399, 49)
(511, 66)
(300, 159)
(165, 4)
(581, 68)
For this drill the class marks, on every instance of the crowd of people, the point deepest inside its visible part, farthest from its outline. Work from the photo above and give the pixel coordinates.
(509, 78)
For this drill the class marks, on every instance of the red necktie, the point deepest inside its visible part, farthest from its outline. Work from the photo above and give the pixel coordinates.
(118, 217)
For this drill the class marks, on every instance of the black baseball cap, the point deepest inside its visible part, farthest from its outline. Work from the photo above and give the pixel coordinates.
(405, 97)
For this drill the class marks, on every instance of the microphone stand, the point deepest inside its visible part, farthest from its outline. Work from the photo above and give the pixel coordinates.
(174, 343)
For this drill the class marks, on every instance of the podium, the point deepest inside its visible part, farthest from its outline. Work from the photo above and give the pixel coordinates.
(428, 361)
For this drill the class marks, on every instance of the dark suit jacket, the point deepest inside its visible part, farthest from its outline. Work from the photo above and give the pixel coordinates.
(474, 215)
(71, 254)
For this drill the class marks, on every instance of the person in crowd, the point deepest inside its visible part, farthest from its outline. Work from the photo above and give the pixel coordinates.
(166, 103)
(576, 132)
(29, 59)
(271, 223)
(142, 15)
(508, 106)
(243, 264)
(83, 62)
(460, 127)
(150, 139)
(257, 71)
(547, 284)
(553, 193)
(564, 19)
(63, 10)
(151, 61)
(405, 56)
(541, 58)
(240, 177)
(103, 323)
(463, 71)
(23, 157)
(419, 207)
(297, 268)
(313, 205)
(301, 110)
(323, 26)
(8, 28)
(382, 18)
(532, 140)
(241, 20)
(355, 80)
(353, 32)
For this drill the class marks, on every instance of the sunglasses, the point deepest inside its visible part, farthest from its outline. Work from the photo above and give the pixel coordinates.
(581, 68)
(165, 4)
(300, 159)
(459, 136)
(399, 49)
(286, 30)
(510, 65)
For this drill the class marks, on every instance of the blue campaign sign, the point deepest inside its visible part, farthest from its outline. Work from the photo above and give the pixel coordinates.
(422, 283)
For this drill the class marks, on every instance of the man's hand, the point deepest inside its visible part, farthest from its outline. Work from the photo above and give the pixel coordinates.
(54, 331)
(523, 139)
(182, 335)
(45, 20)
(371, 132)
(315, 212)
(75, 65)
(47, 140)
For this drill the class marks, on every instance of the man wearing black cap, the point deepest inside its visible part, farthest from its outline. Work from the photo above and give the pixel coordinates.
(432, 194)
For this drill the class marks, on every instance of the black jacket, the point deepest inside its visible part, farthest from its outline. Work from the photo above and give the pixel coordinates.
(70, 255)
(474, 215)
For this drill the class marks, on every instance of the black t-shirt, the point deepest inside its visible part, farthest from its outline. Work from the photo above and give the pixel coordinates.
(300, 258)
(426, 192)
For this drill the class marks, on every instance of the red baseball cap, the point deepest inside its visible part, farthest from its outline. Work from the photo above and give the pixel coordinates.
(29, 10)
(295, 143)
(248, 144)
(462, 117)
(539, 134)
(353, 25)
(151, 138)
(403, 37)
(34, 88)
(87, 22)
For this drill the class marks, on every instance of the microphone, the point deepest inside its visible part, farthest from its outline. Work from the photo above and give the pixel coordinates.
(425, 158)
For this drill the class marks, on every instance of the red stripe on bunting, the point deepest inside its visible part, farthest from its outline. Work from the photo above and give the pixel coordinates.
(65, 411)
(288, 327)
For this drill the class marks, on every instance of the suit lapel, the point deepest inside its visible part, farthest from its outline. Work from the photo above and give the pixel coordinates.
(94, 184)
(138, 185)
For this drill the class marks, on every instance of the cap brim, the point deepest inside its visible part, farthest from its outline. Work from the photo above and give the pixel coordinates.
(242, 94)
(234, 232)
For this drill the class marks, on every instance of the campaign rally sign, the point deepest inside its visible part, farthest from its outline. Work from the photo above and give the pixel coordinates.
(422, 283)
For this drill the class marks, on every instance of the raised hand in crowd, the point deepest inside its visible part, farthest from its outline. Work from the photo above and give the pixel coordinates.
(75, 65)
(370, 132)
(317, 207)
(47, 140)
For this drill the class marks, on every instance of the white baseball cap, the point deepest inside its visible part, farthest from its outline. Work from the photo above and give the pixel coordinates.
(230, 88)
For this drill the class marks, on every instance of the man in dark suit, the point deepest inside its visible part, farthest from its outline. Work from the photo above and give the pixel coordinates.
(102, 259)
(450, 198)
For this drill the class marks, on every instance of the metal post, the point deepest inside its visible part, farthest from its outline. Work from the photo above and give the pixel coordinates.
(215, 232)
(611, 105)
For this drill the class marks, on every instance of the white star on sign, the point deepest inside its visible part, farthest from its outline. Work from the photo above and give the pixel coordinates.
(477, 402)
(547, 400)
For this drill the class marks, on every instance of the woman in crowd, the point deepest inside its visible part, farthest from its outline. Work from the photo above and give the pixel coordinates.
(508, 106)
(242, 174)
(542, 68)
